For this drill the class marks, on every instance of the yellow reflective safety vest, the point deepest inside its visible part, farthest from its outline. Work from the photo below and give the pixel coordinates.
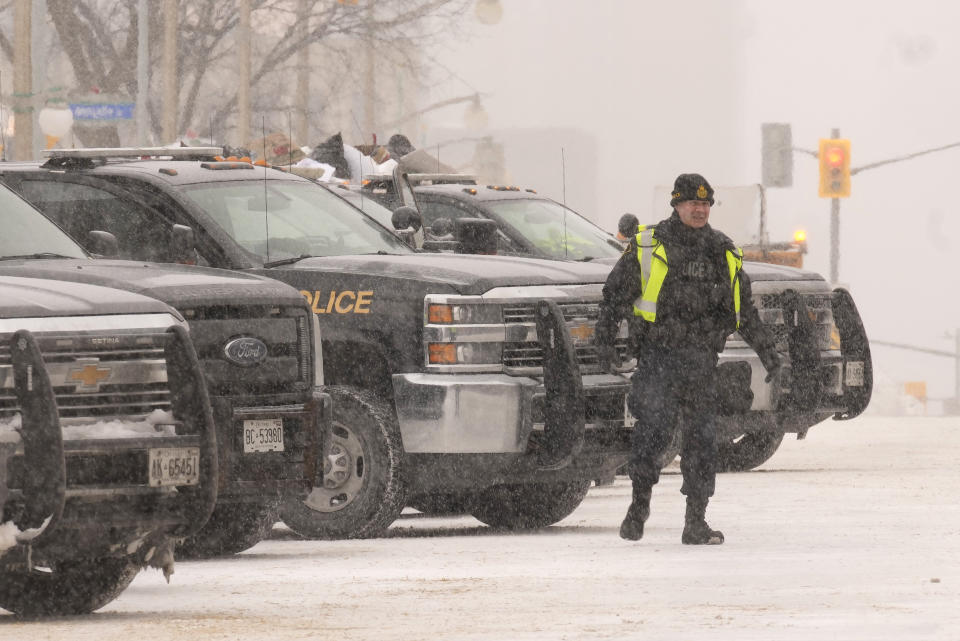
(652, 256)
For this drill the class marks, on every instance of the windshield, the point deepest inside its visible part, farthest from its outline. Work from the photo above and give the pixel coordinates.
(276, 220)
(27, 232)
(545, 224)
(369, 206)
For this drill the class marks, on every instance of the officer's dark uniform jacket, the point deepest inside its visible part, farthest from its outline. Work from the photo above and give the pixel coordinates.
(695, 307)
(677, 348)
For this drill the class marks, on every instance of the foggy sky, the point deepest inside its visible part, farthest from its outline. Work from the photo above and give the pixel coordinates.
(684, 86)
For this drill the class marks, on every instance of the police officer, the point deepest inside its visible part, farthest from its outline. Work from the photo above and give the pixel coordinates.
(681, 284)
(627, 228)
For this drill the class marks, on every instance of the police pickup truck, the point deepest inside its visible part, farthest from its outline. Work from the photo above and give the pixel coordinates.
(107, 443)
(818, 330)
(452, 376)
(254, 337)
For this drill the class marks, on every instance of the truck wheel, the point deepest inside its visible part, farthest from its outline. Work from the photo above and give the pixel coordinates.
(525, 506)
(232, 528)
(747, 451)
(363, 490)
(442, 502)
(77, 586)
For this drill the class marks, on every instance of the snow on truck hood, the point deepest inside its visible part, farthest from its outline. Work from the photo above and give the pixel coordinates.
(178, 285)
(469, 274)
(35, 297)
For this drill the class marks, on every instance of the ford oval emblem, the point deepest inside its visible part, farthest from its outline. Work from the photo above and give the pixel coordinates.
(245, 351)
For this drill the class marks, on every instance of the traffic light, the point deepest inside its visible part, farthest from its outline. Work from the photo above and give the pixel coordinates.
(834, 168)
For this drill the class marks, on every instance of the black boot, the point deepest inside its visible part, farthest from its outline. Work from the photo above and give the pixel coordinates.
(695, 528)
(639, 511)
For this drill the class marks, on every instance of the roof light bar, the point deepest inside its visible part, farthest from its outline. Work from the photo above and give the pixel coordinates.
(133, 152)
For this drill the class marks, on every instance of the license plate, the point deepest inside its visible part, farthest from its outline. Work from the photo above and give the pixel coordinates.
(174, 466)
(263, 435)
(854, 374)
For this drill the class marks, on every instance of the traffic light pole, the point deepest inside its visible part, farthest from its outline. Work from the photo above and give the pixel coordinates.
(834, 231)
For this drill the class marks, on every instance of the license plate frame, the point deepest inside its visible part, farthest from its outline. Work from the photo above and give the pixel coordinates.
(263, 435)
(170, 466)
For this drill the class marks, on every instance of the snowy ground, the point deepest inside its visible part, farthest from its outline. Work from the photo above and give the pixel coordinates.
(853, 533)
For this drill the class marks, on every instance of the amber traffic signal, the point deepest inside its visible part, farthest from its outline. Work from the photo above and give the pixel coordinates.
(834, 168)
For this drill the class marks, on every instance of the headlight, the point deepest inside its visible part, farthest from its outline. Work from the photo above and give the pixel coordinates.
(464, 353)
(463, 333)
(451, 314)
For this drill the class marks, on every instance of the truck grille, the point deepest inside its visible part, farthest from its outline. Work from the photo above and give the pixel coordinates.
(581, 319)
(284, 331)
(97, 375)
(819, 306)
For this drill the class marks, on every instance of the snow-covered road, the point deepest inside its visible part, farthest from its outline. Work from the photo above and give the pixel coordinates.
(853, 533)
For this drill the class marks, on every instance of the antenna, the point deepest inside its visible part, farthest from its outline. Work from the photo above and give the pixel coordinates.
(563, 175)
(266, 207)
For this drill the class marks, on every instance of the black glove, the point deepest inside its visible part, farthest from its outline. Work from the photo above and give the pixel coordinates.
(608, 358)
(773, 364)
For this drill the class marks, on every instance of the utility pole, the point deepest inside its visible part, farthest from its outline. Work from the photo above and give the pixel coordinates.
(243, 88)
(170, 101)
(22, 81)
(143, 63)
(303, 76)
(834, 230)
(38, 58)
(369, 80)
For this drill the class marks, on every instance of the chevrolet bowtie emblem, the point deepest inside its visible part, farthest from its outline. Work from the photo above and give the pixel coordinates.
(582, 332)
(89, 375)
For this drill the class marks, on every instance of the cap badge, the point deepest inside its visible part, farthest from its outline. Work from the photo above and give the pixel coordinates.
(702, 192)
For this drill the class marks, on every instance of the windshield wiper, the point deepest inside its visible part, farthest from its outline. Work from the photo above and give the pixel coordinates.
(37, 255)
(585, 259)
(287, 261)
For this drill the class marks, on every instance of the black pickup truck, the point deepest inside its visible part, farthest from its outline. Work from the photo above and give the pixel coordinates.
(107, 443)
(828, 370)
(454, 378)
(256, 342)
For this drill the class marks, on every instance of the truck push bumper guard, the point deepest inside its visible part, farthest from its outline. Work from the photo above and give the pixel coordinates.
(494, 413)
(564, 408)
(857, 376)
(41, 495)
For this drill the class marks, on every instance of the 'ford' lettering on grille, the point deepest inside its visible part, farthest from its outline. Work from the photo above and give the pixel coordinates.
(245, 351)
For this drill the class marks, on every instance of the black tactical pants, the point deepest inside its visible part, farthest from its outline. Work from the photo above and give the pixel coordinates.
(675, 390)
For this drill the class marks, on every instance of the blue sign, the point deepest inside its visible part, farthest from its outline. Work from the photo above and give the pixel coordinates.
(86, 111)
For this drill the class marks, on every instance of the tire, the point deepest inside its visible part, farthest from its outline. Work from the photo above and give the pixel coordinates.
(71, 587)
(363, 489)
(232, 528)
(439, 503)
(747, 451)
(528, 506)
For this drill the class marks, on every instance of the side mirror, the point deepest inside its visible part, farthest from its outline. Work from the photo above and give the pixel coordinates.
(183, 245)
(103, 244)
(406, 217)
(476, 235)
